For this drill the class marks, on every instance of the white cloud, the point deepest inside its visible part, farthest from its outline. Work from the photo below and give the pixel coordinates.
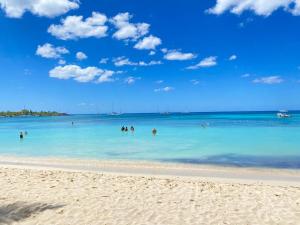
(131, 80)
(164, 50)
(127, 30)
(74, 27)
(195, 82)
(151, 63)
(245, 75)
(165, 89)
(123, 61)
(152, 53)
(269, 80)
(103, 60)
(81, 56)
(49, 51)
(106, 76)
(207, 62)
(159, 81)
(177, 55)
(148, 43)
(82, 75)
(47, 8)
(62, 62)
(232, 58)
(259, 7)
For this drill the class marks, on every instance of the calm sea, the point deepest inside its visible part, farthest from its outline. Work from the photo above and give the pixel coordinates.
(241, 139)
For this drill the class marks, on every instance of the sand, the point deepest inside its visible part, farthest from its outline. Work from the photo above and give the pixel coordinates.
(61, 195)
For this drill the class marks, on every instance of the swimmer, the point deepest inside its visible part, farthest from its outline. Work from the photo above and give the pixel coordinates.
(123, 129)
(126, 129)
(21, 135)
(154, 131)
(132, 129)
(72, 123)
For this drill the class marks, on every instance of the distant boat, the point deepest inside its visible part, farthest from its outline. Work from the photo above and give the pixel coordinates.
(115, 114)
(283, 114)
(165, 113)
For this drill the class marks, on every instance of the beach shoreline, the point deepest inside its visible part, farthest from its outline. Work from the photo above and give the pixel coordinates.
(206, 172)
(95, 192)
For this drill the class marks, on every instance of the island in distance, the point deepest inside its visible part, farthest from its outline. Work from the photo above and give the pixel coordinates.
(26, 112)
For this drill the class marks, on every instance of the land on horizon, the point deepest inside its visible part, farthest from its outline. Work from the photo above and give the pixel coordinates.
(26, 112)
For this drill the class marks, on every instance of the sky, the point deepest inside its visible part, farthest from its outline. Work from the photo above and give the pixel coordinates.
(99, 56)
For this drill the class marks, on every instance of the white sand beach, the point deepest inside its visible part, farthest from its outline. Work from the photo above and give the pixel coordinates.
(61, 191)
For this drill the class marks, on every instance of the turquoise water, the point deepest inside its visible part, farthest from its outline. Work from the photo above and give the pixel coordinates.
(245, 139)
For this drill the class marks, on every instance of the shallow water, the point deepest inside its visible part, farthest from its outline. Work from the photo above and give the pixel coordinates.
(243, 139)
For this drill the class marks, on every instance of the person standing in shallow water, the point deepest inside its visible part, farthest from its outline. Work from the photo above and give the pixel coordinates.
(21, 135)
(154, 131)
(132, 129)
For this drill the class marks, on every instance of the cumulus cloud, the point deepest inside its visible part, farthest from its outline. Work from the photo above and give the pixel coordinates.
(49, 51)
(259, 7)
(269, 80)
(148, 43)
(106, 76)
(178, 55)
(104, 61)
(232, 57)
(164, 89)
(82, 75)
(62, 62)
(123, 61)
(81, 56)
(207, 62)
(75, 27)
(131, 80)
(127, 30)
(47, 8)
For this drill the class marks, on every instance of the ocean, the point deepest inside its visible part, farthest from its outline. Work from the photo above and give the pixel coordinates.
(258, 139)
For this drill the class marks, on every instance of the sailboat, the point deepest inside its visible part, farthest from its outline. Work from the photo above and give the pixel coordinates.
(114, 113)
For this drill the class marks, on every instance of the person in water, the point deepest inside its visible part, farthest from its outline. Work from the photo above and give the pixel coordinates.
(126, 129)
(25, 133)
(123, 129)
(21, 135)
(132, 129)
(154, 131)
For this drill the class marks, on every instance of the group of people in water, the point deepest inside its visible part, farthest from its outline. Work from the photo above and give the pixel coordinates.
(132, 129)
(125, 129)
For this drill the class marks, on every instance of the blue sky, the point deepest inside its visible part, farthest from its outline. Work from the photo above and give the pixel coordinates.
(90, 56)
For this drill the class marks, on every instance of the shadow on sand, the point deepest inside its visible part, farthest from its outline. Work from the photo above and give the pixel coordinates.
(21, 210)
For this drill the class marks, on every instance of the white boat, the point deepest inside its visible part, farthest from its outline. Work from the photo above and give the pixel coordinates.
(115, 114)
(283, 114)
